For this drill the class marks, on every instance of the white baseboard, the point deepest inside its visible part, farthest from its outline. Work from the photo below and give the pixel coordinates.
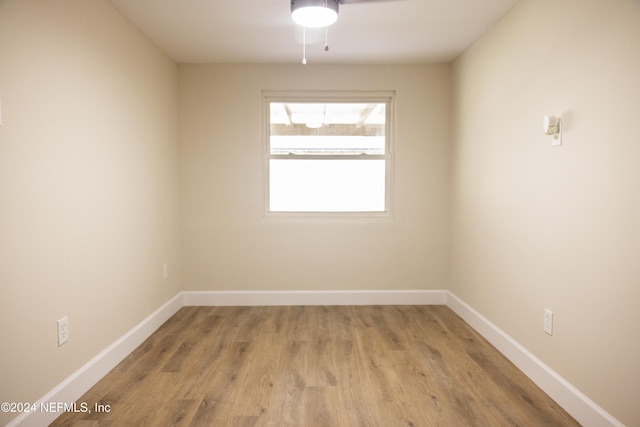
(255, 298)
(572, 400)
(584, 410)
(84, 378)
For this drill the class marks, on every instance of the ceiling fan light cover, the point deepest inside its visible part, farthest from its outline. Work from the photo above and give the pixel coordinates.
(314, 13)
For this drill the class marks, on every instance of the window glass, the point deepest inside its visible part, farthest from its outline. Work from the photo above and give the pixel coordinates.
(327, 185)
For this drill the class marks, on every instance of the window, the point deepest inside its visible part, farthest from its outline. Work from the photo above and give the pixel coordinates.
(328, 155)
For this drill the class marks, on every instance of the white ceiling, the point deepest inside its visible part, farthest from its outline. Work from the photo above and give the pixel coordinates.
(261, 31)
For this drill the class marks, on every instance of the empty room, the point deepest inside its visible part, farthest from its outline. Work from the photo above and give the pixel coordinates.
(424, 213)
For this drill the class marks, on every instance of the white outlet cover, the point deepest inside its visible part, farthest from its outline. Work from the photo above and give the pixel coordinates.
(548, 321)
(63, 330)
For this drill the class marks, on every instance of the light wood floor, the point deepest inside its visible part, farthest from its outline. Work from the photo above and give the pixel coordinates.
(317, 366)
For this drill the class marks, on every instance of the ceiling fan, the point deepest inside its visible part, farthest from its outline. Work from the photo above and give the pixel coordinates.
(318, 14)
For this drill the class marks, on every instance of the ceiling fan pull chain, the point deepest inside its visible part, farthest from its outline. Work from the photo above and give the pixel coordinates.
(304, 46)
(326, 39)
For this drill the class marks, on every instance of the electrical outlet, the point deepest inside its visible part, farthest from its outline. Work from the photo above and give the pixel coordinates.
(63, 330)
(165, 271)
(548, 321)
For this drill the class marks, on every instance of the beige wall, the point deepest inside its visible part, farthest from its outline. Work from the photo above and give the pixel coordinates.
(540, 227)
(88, 186)
(229, 245)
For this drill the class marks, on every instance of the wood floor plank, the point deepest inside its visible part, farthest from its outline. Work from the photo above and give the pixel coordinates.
(289, 384)
(257, 378)
(176, 413)
(316, 366)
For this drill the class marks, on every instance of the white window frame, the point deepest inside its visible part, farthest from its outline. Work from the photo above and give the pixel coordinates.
(387, 97)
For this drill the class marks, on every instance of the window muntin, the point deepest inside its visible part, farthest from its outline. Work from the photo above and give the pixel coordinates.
(328, 156)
